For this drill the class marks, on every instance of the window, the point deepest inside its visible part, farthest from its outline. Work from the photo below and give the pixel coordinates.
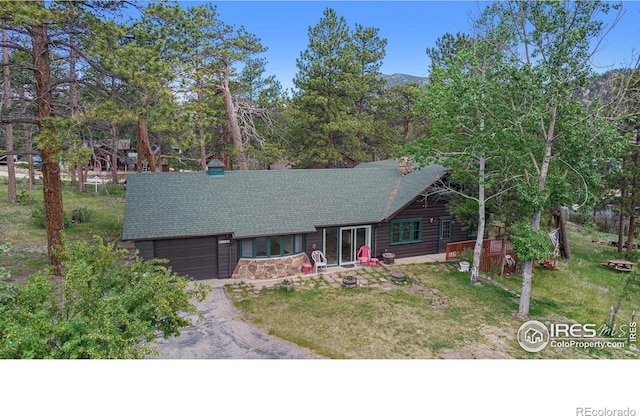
(275, 246)
(406, 231)
(287, 245)
(246, 246)
(299, 247)
(260, 247)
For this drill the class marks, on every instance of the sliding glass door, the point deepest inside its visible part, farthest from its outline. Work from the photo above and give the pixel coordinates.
(341, 244)
(346, 246)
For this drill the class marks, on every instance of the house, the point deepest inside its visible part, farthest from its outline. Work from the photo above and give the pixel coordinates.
(264, 224)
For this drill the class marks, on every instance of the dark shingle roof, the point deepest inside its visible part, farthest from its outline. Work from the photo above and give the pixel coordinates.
(267, 202)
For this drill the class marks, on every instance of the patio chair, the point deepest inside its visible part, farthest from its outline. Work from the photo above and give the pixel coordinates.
(319, 260)
(364, 255)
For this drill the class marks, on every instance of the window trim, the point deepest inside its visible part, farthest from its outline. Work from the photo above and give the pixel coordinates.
(412, 222)
(296, 249)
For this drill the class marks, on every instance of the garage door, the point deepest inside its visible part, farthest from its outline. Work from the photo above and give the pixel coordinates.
(196, 257)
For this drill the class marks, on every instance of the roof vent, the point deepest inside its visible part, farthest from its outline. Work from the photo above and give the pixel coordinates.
(405, 165)
(215, 168)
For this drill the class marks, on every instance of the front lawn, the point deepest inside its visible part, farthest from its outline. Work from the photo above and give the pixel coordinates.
(440, 314)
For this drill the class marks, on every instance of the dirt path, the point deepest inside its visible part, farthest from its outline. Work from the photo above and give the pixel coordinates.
(221, 334)
(20, 173)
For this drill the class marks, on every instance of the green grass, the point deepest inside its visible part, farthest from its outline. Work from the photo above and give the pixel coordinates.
(581, 289)
(29, 242)
(428, 319)
(440, 314)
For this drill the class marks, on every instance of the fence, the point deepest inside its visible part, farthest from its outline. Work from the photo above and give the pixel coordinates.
(491, 253)
(489, 246)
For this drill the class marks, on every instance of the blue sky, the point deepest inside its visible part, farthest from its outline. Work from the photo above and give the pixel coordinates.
(409, 27)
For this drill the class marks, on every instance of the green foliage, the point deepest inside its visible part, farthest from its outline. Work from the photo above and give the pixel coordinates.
(23, 196)
(103, 307)
(531, 196)
(82, 215)
(447, 48)
(337, 80)
(54, 134)
(40, 220)
(529, 245)
(4, 274)
(632, 256)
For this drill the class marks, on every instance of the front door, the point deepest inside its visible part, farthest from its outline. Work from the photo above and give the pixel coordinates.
(445, 234)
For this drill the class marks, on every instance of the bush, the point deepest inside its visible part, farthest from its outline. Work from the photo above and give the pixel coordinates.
(103, 307)
(38, 215)
(40, 219)
(82, 215)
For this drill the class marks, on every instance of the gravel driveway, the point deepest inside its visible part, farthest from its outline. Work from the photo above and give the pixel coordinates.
(221, 334)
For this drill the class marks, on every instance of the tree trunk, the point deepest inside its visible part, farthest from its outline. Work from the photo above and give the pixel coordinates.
(113, 132)
(144, 148)
(406, 127)
(527, 275)
(83, 176)
(73, 84)
(615, 314)
(525, 294)
(72, 174)
(633, 203)
(621, 224)
(503, 253)
(563, 238)
(236, 135)
(203, 150)
(12, 196)
(28, 140)
(73, 93)
(201, 135)
(49, 151)
(477, 249)
(527, 271)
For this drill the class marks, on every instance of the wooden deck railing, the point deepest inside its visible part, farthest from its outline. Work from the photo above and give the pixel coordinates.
(489, 246)
(491, 252)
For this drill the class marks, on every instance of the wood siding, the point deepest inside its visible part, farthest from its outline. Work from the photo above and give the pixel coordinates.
(145, 249)
(430, 229)
(310, 240)
(196, 257)
(228, 255)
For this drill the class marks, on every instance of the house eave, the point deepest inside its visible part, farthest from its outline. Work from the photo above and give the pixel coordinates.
(176, 237)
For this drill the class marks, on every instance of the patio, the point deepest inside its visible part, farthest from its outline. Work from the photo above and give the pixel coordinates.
(372, 277)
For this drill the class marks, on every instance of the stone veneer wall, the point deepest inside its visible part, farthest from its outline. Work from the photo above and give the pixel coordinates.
(272, 268)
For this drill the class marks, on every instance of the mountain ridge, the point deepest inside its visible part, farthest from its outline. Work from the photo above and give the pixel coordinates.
(399, 79)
